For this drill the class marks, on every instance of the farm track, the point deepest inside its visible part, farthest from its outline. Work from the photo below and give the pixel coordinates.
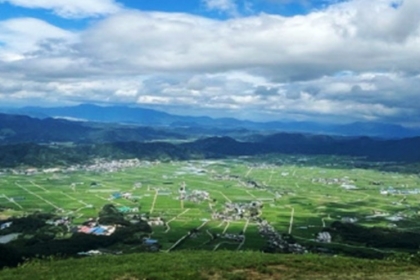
(227, 198)
(75, 199)
(12, 201)
(38, 196)
(154, 201)
(249, 172)
(292, 214)
(38, 186)
(173, 219)
(184, 237)
(226, 227)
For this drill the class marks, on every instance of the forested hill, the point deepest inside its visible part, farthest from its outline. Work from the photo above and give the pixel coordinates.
(285, 143)
(16, 129)
(29, 154)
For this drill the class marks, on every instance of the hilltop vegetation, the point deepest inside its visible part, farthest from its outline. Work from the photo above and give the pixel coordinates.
(196, 265)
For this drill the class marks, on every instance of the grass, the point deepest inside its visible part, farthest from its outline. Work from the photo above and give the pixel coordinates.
(212, 265)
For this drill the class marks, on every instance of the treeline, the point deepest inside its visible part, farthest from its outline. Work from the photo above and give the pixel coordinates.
(376, 237)
(30, 154)
(403, 150)
(40, 239)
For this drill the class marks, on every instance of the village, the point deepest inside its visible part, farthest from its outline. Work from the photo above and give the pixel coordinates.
(205, 201)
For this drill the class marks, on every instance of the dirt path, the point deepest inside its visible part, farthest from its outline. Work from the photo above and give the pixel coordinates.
(113, 202)
(184, 237)
(13, 201)
(291, 220)
(246, 226)
(221, 243)
(225, 197)
(244, 231)
(248, 192)
(38, 186)
(154, 201)
(226, 227)
(73, 198)
(249, 171)
(38, 196)
(179, 215)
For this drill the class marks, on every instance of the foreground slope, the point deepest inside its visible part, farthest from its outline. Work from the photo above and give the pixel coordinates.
(213, 265)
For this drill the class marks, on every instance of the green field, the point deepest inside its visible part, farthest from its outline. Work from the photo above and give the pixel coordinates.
(299, 196)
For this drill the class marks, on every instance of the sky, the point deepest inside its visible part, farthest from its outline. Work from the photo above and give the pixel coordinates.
(324, 60)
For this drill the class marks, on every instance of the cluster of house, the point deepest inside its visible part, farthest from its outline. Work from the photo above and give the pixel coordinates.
(91, 226)
(99, 252)
(393, 191)
(126, 209)
(345, 182)
(245, 183)
(99, 165)
(275, 240)
(238, 211)
(232, 237)
(252, 184)
(324, 237)
(195, 196)
(5, 225)
(118, 195)
(66, 221)
(225, 177)
(349, 220)
(155, 221)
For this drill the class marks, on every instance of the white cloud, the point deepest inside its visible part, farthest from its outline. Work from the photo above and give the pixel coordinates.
(71, 8)
(21, 38)
(335, 63)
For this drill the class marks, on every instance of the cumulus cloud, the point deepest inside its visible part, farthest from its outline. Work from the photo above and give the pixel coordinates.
(302, 47)
(27, 39)
(71, 8)
(355, 60)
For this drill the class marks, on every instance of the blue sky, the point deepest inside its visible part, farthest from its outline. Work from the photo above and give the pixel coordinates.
(324, 60)
(197, 7)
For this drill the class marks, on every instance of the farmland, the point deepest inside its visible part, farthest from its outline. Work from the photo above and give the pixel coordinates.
(300, 196)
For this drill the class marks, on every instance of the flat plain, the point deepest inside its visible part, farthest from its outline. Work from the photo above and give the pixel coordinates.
(300, 195)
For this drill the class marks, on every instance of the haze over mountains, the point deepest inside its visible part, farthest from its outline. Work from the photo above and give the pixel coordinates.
(155, 118)
(28, 140)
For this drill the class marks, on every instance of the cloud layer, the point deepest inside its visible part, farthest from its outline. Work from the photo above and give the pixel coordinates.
(71, 8)
(355, 60)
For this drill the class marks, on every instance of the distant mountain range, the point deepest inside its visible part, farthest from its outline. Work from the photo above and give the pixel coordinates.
(23, 129)
(32, 141)
(154, 118)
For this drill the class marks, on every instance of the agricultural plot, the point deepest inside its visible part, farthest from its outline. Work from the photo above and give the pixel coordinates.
(296, 197)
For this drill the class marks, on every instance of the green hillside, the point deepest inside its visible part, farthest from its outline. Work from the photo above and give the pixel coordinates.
(212, 265)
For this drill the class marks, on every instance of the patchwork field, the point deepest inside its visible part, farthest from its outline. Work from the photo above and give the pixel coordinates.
(300, 196)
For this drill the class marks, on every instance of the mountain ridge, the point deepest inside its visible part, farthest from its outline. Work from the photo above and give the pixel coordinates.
(151, 117)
